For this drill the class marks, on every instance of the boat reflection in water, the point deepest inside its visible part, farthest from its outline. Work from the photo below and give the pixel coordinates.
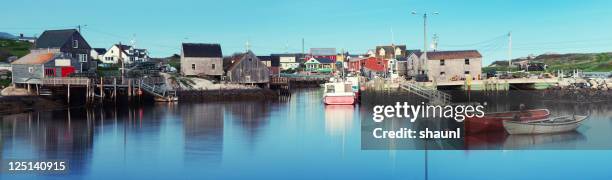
(502, 140)
(525, 141)
(338, 119)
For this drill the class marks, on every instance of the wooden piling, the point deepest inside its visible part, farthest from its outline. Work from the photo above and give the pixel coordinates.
(68, 99)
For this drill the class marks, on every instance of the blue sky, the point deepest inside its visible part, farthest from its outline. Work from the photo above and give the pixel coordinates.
(277, 26)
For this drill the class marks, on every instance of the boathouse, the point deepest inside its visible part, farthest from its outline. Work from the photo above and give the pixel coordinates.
(199, 59)
(40, 64)
(246, 68)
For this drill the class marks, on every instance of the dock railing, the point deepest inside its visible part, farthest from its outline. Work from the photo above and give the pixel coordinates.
(66, 81)
(433, 95)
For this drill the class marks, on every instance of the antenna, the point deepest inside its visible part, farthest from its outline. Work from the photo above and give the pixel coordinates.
(509, 50)
(133, 41)
(434, 46)
(248, 46)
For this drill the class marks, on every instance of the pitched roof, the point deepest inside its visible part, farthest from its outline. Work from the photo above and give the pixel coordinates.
(123, 47)
(389, 49)
(54, 38)
(100, 50)
(202, 50)
(325, 60)
(38, 57)
(235, 60)
(437, 55)
(415, 51)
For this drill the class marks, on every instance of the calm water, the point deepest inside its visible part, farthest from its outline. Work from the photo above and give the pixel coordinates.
(295, 139)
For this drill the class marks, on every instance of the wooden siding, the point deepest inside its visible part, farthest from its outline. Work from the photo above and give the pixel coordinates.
(249, 70)
(22, 74)
(203, 66)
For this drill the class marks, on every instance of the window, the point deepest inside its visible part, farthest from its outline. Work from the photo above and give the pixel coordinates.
(82, 57)
(75, 43)
(442, 73)
(192, 66)
(467, 61)
(442, 62)
(49, 72)
(250, 59)
(31, 69)
(213, 66)
(467, 72)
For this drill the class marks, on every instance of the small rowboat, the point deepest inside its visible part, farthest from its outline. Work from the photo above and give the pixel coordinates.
(551, 125)
(492, 122)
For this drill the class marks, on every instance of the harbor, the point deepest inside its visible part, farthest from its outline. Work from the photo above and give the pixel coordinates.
(220, 137)
(307, 90)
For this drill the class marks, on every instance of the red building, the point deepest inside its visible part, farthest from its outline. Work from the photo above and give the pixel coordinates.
(355, 64)
(368, 64)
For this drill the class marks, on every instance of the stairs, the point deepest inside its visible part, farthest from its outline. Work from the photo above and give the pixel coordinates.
(160, 92)
(434, 96)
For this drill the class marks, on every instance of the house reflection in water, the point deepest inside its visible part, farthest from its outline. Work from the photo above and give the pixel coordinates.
(251, 117)
(203, 131)
(49, 135)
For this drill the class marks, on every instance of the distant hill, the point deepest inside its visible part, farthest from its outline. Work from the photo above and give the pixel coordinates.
(570, 61)
(10, 48)
(4, 35)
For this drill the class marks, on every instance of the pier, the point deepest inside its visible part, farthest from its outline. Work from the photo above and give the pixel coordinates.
(103, 89)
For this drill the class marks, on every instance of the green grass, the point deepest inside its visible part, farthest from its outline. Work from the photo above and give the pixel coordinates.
(10, 48)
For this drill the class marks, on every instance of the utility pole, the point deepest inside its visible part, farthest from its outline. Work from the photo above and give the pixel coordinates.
(509, 51)
(302, 46)
(122, 63)
(424, 36)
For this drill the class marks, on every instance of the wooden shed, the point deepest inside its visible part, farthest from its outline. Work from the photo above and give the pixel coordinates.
(246, 68)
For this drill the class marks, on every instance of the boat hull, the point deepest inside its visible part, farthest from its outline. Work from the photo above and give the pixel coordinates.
(339, 100)
(513, 127)
(493, 122)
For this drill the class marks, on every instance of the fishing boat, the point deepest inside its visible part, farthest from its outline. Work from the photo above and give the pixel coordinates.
(354, 81)
(493, 122)
(338, 93)
(545, 126)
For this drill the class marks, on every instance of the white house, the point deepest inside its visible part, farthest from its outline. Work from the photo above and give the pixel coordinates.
(129, 54)
(97, 53)
(289, 61)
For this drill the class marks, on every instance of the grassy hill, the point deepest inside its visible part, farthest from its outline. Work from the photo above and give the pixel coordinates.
(10, 48)
(589, 62)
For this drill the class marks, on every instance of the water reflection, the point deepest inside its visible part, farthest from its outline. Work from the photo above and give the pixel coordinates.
(65, 136)
(338, 119)
(203, 131)
(566, 140)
